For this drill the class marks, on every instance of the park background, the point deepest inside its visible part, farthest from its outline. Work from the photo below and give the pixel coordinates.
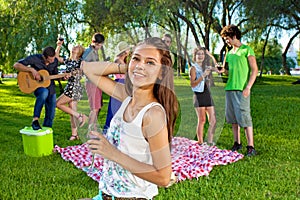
(271, 27)
(28, 26)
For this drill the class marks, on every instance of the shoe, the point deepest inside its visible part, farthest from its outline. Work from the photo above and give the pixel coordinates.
(251, 151)
(201, 144)
(36, 125)
(236, 146)
(211, 144)
(74, 137)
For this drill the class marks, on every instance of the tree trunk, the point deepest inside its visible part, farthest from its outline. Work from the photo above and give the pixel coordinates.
(179, 51)
(285, 67)
(184, 52)
(177, 32)
(222, 53)
(263, 52)
(103, 53)
(284, 62)
(190, 25)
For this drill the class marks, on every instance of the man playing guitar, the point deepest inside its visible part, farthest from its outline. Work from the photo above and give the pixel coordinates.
(44, 96)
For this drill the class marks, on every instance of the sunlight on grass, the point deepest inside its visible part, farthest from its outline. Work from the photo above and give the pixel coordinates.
(275, 111)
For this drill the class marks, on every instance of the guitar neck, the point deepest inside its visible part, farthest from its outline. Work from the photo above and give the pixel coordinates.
(56, 76)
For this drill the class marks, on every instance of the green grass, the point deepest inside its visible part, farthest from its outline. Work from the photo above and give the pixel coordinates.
(273, 174)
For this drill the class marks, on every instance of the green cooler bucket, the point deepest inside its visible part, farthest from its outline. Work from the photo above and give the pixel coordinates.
(37, 143)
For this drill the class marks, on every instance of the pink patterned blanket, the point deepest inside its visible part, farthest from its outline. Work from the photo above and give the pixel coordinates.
(189, 160)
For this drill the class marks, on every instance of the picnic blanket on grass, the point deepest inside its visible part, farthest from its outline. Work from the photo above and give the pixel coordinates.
(189, 159)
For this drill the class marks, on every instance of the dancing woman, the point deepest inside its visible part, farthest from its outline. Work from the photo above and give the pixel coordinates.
(73, 91)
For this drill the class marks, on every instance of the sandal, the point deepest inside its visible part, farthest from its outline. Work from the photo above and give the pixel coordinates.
(74, 137)
(82, 119)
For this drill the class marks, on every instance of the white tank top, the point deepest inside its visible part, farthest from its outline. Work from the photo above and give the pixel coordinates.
(199, 72)
(129, 139)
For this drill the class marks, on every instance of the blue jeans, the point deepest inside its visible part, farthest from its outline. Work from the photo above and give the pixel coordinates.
(43, 98)
(113, 107)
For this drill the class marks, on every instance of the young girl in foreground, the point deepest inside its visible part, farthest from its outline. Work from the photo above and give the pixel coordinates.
(136, 151)
(67, 102)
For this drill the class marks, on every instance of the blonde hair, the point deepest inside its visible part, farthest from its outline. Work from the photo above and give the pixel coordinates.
(80, 52)
(206, 56)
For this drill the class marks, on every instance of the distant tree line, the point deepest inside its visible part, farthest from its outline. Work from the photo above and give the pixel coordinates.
(28, 26)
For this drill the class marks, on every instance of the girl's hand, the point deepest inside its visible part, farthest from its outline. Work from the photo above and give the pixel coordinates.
(67, 76)
(81, 64)
(206, 72)
(100, 145)
(59, 43)
(221, 71)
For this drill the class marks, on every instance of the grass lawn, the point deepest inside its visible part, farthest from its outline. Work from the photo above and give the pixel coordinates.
(273, 174)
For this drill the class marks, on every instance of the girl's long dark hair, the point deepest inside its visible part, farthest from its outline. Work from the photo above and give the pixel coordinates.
(163, 89)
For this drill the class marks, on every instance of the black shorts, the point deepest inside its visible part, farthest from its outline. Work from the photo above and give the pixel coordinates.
(203, 99)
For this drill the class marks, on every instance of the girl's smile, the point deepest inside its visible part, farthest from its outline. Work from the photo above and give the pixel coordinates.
(144, 66)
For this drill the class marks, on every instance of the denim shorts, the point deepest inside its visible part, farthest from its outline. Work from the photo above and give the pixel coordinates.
(238, 109)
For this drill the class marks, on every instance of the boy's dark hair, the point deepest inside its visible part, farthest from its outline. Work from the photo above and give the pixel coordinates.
(49, 52)
(98, 38)
(230, 31)
(168, 36)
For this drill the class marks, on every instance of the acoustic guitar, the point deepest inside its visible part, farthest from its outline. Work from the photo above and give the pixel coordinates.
(28, 84)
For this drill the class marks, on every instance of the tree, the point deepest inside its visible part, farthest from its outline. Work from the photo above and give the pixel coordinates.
(269, 55)
(27, 27)
(291, 14)
(282, 15)
(298, 57)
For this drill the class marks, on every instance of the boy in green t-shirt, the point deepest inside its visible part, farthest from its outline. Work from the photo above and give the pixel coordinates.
(242, 73)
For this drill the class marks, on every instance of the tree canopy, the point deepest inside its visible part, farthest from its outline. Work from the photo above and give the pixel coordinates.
(29, 26)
